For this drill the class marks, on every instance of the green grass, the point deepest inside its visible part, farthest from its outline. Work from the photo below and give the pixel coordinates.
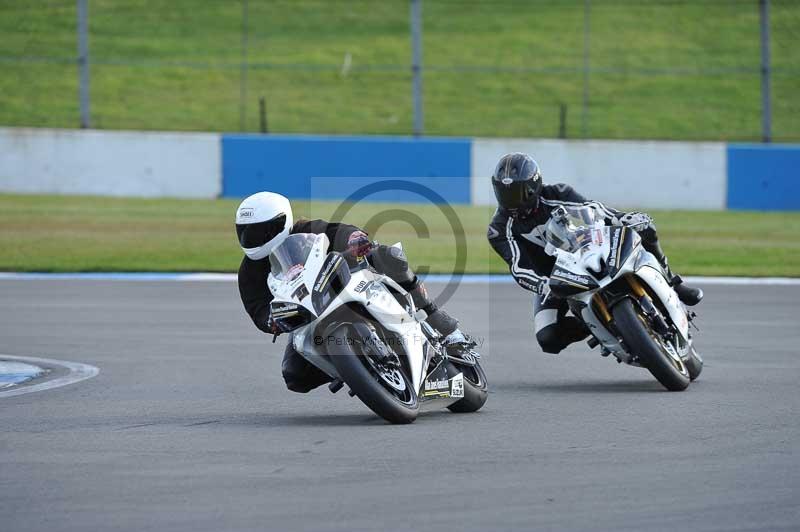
(175, 66)
(63, 234)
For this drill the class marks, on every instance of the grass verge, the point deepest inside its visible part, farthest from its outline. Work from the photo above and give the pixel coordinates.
(660, 69)
(78, 234)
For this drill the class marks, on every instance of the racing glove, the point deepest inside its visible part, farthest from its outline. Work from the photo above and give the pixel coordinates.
(273, 326)
(636, 220)
(543, 288)
(358, 245)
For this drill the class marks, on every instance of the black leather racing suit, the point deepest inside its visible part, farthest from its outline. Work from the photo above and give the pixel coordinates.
(299, 374)
(519, 240)
(253, 288)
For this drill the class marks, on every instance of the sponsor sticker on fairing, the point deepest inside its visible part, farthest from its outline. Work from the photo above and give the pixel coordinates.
(457, 386)
(437, 384)
(323, 276)
(570, 276)
(280, 308)
(612, 259)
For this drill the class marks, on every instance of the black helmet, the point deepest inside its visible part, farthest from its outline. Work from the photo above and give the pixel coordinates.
(517, 182)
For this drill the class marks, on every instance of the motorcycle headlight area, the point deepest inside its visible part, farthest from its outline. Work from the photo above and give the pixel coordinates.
(332, 278)
(290, 316)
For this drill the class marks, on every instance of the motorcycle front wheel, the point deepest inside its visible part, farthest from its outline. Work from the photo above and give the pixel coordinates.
(387, 391)
(653, 351)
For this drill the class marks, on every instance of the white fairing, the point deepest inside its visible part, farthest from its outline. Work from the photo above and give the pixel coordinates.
(655, 280)
(386, 310)
(365, 288)
(639, 263)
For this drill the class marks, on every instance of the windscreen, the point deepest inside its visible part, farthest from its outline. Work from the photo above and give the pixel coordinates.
(570, 228)
(288, 259)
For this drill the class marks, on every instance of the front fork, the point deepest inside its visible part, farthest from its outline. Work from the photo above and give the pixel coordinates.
(600, 308)
(646, 303)
(644, 300)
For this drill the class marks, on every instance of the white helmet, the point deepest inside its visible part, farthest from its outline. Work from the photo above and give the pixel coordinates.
(263, 222)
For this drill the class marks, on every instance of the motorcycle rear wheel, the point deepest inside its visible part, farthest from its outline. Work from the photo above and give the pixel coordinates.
(475, 388)
(644, 343)
(349, 354)
(694, 364)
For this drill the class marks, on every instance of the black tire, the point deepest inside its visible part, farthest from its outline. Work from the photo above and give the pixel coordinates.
(356, 371)
(694, 364)
(642, 342)
(476, 390)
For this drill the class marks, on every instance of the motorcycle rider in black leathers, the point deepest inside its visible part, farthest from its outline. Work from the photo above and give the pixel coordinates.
(516, 233)
(264, 220)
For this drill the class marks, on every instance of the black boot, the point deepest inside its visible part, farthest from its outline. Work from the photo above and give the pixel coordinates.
(461, 346)
(573, 329)
(456, 343)
(688, 295)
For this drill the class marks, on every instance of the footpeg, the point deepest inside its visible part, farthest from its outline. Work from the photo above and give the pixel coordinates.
(592, 342)
(466, 359)
(335, 386)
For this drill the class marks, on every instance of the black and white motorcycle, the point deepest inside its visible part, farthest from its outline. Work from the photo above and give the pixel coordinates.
(621, 293)
(362, 329)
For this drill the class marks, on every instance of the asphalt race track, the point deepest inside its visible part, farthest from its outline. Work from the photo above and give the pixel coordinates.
(188, 426)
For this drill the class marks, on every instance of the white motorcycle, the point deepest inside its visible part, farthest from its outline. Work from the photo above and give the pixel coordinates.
(362, 329)
(621, 293)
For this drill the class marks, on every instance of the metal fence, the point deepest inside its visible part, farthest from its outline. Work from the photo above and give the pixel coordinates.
(674, 69)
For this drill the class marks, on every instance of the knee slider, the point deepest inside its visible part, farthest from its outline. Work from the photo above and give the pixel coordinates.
(297, 386)
(573, 329)
(550, 341)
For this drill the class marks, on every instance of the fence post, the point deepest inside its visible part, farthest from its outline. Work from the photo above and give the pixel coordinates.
(83, 63)
(262, 113)
(586, 43)
(243, 72)
(416, 65)
(766, 72)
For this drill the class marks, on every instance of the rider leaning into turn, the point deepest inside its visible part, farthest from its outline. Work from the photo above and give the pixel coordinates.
(264, 220)
(516, 233)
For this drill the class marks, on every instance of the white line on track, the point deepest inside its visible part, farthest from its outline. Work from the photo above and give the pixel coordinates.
(77, 372)
(431, 278)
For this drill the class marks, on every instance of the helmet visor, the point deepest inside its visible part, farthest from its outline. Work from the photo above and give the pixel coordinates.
(258, 234)
(515, 195)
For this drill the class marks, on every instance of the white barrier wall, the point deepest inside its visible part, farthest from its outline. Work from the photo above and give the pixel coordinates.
(110, 163)
(625, 174)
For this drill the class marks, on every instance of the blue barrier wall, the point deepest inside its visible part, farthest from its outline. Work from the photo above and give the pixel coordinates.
(402, 169)
(333, 168)
(763, 177)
